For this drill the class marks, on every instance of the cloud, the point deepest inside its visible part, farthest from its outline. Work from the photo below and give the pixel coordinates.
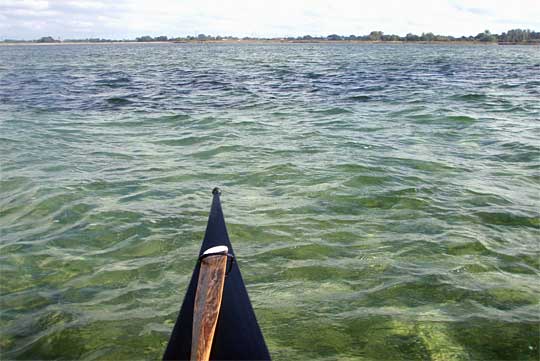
(24, 4)
(26, 13)
(31, 19)
(86, 5)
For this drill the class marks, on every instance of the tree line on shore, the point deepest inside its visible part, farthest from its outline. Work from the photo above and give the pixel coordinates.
(514, 36)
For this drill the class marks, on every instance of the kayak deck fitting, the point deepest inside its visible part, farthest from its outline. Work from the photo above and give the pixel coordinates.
(237, 334)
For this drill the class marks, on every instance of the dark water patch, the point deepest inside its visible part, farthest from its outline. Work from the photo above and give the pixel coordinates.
(461, 118)
(13, 183)
(354, 168)
(516, 266)
(186, 141)
(73, 213)
(532, 84)
(417, 293)
(112, 155)
(508, 219)
(422, 165)
(317, 272)
(372, 88)
(208, 84)
(312, 75)
(366, 180)
(332, 111)
(520, 146)
(470, 248)
(510, 86)
(171, 118)
(74, 341)
(423, 118)
(482, 338)
(118, 101)
(485, 199)
(8, 141)
(522, 156)
(26, 301)
(406, 198)
(102, 236)
(119, 82)
(208, 121)
(53, 318)
(282, 71)
(281, 114)
(447, 69)
(532, 261)
(48, 205)
(394, 201)
(360, 98)
(471, 97)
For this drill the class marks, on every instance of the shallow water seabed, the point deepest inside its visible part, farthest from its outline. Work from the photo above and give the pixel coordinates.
(383, 200)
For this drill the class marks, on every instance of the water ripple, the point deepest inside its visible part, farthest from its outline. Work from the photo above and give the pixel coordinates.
(383, 197)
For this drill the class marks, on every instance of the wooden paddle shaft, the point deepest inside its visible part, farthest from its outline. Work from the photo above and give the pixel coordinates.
(208, 301)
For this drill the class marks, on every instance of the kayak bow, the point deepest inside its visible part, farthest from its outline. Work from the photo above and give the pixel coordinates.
(237, 335)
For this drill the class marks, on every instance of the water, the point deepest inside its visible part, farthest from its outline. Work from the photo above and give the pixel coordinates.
(382, 199)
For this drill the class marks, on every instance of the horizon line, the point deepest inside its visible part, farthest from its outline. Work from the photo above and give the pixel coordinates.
(260, 37)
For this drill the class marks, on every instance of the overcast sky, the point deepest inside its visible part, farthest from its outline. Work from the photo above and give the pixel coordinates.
(119, 19)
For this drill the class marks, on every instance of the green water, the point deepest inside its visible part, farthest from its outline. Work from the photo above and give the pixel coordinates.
(383, 200)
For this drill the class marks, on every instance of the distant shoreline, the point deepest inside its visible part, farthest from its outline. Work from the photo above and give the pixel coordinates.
(269, 41)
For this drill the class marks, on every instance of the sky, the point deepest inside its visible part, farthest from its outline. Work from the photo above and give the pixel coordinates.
(126, 19)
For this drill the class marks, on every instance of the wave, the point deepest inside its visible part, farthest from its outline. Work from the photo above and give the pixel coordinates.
(115, 82)
(118, 101)
(332, 111)
(470, 97)
(360, 98)
(461, 118)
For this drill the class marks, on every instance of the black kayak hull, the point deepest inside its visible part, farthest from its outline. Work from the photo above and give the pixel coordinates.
(238, 335)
